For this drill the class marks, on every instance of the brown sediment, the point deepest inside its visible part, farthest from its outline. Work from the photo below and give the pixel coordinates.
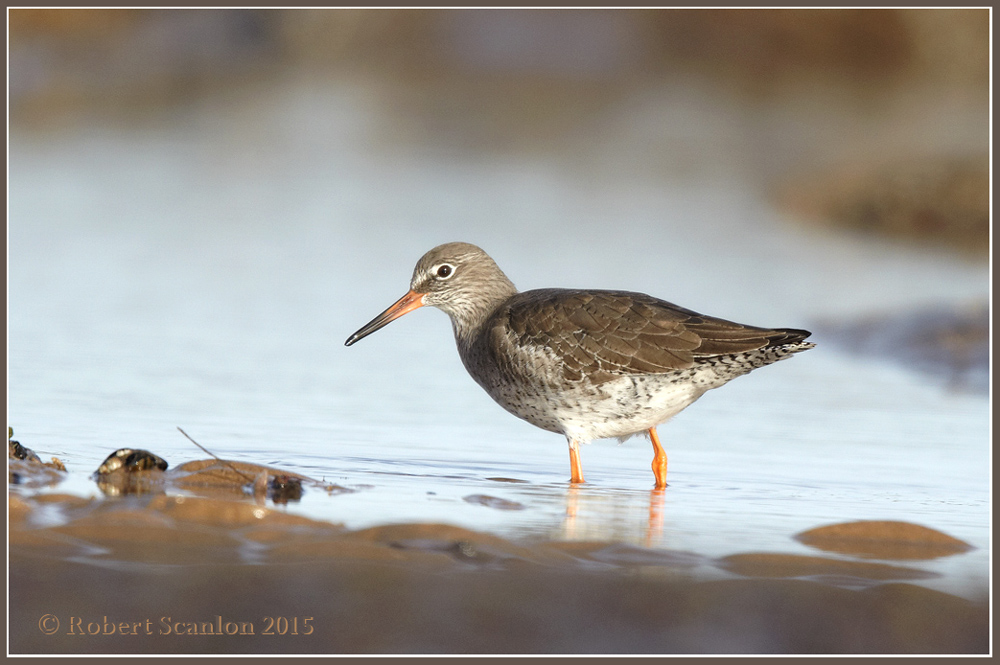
(17, 509)
(232, 476)
(229, 558)
(624, 554)
(35, 473)
(939, 199)
(459, 543)
(883, 540)
(766, 564)
(438, 588)
(493, 502)
(221, 513)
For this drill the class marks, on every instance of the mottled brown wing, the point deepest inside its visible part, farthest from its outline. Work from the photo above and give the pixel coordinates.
(605, 334)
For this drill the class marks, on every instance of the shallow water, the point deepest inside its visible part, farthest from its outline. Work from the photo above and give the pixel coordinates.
(204, 273)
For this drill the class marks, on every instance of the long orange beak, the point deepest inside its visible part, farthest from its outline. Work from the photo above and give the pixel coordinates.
(411, 301)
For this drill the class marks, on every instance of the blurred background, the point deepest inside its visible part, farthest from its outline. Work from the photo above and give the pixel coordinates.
(880, 115)
(204, 204)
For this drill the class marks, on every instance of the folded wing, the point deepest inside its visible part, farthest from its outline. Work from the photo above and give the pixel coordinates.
(607, 334)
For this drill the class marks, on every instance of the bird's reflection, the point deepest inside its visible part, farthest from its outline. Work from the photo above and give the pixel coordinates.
(575, 525)
(654, 525)
(572, 507)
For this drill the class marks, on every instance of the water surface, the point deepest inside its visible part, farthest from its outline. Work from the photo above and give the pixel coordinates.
(203, 269)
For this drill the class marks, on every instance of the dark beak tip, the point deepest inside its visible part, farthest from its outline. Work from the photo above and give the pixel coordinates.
(407, 303)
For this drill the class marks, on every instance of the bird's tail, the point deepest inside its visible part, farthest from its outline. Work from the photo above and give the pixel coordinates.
(788, 336)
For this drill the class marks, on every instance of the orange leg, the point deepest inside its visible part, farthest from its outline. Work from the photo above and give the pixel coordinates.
(659, 460)
(576, 469)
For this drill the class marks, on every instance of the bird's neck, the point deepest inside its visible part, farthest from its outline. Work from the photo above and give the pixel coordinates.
(469, 315)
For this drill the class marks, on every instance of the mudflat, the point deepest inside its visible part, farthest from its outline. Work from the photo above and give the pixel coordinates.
(230, 572)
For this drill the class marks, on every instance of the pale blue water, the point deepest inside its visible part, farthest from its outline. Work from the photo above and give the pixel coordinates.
(202, 269)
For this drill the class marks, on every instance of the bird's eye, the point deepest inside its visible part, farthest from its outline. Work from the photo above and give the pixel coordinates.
(445, 271)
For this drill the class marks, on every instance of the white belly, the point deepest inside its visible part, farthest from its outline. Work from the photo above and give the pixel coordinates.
(619, 408)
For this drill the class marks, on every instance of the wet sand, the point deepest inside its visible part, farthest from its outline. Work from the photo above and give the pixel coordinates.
(229, 572)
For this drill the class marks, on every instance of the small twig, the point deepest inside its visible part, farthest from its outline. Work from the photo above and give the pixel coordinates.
(226, 462)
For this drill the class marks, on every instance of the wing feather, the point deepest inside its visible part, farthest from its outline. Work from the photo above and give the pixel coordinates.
(605, 334)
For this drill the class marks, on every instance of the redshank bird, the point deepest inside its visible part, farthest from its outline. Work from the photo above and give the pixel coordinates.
(585, 364)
